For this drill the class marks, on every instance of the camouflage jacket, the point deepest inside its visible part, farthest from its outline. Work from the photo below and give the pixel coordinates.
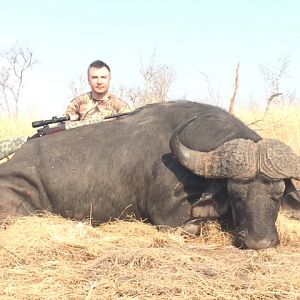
(85, 107)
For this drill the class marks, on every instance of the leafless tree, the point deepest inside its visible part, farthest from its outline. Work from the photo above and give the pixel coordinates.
(17, 61)
(157, 80)
(214, 96)
(273, 76)
(78, 86)
(133, 95)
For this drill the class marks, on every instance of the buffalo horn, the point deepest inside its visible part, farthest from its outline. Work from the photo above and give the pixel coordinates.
(277, 160)
(236, 159)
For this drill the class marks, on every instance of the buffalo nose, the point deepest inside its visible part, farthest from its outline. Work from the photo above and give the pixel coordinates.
(260, 244)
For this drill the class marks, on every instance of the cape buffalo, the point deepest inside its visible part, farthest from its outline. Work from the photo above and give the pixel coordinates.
(171, 164)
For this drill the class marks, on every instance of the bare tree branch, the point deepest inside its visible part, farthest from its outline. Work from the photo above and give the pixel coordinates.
(273, 76)
(269, 102)
(236, 86)
(4, 104)
(214, 97)
(78, 86)
(19, 60)
(157, 80)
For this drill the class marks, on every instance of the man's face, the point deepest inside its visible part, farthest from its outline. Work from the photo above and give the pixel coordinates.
(99, 80)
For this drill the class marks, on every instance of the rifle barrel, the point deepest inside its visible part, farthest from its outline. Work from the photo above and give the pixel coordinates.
(51, 121)
(116, 115)
(41, 123)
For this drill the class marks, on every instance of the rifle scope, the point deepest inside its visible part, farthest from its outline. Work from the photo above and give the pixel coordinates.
(51, 121)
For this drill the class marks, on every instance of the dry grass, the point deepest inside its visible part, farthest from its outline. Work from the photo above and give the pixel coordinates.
(10, 127)
(280, 123)
(54, 258)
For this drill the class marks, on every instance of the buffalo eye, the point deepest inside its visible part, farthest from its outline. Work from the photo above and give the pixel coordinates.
(277, 190)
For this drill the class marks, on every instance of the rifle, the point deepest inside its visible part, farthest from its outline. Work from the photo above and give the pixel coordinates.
(61, 126)
(45, 126)
(46, 123)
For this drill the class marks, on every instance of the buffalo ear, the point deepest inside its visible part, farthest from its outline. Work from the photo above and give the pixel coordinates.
(291, 199)
(291, 191)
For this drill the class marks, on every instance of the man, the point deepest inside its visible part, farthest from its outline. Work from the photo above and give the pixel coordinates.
(99, 102)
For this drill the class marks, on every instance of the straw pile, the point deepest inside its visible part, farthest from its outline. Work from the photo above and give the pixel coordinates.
(53, 258)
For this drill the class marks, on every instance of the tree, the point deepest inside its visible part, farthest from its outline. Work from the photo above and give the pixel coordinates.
(17, 61)
(214, 96)
(158, 78)
(78, 86)
(273, 76)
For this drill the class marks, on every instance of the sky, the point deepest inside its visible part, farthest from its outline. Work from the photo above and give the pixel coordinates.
(202, 41)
